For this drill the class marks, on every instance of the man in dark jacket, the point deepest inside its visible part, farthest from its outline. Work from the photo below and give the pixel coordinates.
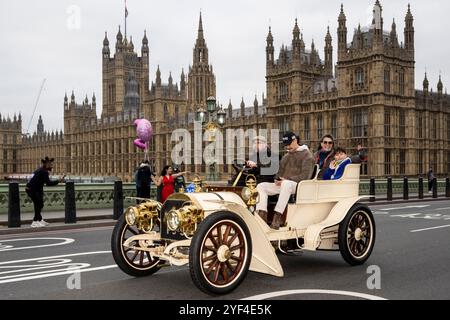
(35, 190)
(261, 161)
(143, 180)
(430, 177)
(180, 183)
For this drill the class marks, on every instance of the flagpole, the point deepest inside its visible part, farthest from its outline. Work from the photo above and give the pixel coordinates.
(126, 14)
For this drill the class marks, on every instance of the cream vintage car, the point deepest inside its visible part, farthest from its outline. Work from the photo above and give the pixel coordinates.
(218, 235)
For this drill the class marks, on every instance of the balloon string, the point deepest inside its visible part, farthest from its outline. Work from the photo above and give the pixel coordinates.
(146, 151)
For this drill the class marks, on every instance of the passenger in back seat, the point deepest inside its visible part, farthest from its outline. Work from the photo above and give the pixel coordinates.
(325, 154)
(297, 165)
(336, 169)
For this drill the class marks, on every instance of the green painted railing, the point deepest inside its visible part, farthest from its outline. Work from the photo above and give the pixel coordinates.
(87, 196)
(100, 196)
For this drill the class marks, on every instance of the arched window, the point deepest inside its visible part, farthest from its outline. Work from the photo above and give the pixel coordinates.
(402, 120)
(359, 78)
(306, 127)
(401, 81)
(387, 80)
(319, 127)
(334, 125)
(283, 91)
(166, 111)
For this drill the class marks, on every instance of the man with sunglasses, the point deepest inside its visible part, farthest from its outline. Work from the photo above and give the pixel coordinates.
(325, 155)
(297, 165)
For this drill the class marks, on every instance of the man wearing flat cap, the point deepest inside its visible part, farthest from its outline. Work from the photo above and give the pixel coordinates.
(261, 161)
(35, 190)
(297, 165)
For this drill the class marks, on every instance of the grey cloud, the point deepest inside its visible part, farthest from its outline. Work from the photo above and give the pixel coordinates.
(36, 43)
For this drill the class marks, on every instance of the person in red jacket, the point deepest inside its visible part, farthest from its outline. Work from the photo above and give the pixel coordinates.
(167, 180)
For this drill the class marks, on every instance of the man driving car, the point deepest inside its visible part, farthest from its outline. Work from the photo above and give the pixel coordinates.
(260, 160)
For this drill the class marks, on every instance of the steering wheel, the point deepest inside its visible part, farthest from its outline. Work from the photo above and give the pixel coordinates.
(240, 166)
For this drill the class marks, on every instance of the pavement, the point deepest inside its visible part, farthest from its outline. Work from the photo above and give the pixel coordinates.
(85, 219)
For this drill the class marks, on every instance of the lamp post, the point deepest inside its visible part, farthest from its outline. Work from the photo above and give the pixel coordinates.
(211, 119)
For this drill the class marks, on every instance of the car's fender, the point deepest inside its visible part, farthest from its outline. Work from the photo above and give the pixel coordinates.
(337, 214)
(264, 259)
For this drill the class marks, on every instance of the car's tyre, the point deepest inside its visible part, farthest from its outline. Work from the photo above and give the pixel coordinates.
(356, 235)
(220, 253)
(136, 263)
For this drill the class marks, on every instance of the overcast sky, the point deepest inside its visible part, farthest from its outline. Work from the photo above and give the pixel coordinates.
(43, 39)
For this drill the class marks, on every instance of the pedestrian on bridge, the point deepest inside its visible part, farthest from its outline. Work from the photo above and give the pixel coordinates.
(430, 176)
(35, 190)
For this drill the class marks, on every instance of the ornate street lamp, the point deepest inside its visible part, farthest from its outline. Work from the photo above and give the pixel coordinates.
(216, 119)
(201, 115)
(211, 104)
(221, 117)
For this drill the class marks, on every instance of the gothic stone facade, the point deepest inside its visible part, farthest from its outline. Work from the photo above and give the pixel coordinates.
(368, 97)
(372, 100)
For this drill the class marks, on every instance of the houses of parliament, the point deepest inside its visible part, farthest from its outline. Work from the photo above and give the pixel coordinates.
(368, 97)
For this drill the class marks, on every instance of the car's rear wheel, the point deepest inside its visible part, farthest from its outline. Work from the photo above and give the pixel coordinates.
(220, 253)
(136, 263)
(357, 235)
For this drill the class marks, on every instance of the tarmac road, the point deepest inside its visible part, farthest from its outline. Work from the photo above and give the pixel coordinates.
(411, 254)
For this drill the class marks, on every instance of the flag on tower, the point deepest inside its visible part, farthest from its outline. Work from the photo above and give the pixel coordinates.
(126, 10)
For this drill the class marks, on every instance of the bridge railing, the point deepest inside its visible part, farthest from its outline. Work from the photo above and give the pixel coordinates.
(87, 196)
(71, 197)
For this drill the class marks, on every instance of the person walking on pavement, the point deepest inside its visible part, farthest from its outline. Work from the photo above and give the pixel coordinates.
(430, 176)
(35, 190)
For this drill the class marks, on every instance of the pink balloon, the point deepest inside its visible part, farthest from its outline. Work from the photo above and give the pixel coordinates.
(144, 130)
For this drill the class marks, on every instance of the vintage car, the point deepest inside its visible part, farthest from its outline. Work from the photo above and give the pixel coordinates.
(219, 236)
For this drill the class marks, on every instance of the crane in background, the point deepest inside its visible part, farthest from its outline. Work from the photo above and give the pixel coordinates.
(35, 105)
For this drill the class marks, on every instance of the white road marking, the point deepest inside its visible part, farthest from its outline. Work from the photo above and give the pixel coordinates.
(443, 209)
(65, 266)
(433, 228)
(66, 231)
(425, 216)
(73, 267)
(379, 212)
(407, 215)
(40, 276)
(12, 248)
(408, 207)
(55, 257)
(310, 291)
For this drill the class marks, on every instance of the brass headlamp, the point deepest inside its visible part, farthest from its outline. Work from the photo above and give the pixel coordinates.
(143, 216)
(185, 219)
(249, 193)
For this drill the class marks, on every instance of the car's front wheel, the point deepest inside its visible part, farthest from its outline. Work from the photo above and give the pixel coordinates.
(220, 253)
(136, 263)
(356, 235)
